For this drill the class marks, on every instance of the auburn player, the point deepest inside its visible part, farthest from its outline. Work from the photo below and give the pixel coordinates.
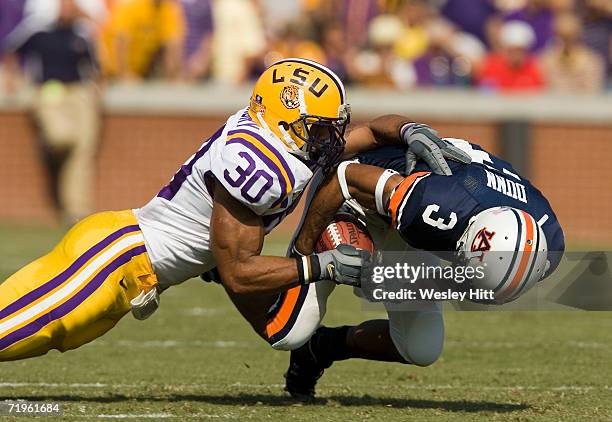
(484, 214)
(214, 213)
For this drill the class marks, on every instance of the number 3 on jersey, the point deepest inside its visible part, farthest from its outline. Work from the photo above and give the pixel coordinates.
(428, 218)
(241, 178)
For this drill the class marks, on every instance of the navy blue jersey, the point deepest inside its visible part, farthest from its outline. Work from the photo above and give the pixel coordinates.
(436, 209)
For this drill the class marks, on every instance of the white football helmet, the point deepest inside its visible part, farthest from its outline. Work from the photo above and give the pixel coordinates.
(509, 247)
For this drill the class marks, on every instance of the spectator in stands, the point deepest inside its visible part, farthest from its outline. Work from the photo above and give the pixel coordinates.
(451, 57)
(335, 51)
(277, 15)
(11, 13)
(597, 15)
(355, 16)
(295, 41)
(471, 16)
(412, 41)
(569, 65)
(378, 66)
(239, 41)
(539, 15)
(58, 57)
(144, 38)
(513, 68)
(197, 49)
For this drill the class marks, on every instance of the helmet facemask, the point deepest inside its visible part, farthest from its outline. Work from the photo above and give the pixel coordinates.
(323, 139)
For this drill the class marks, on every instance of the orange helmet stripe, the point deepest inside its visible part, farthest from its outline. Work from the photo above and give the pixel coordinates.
(527, 248)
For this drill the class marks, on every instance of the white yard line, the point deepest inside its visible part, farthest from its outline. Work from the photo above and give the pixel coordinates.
(167, 344)
(158, 416)
(269, 386)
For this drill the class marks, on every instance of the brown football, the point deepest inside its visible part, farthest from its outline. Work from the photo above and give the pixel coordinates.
(345, 229)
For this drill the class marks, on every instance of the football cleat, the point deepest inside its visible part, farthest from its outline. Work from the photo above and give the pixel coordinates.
(303, 373)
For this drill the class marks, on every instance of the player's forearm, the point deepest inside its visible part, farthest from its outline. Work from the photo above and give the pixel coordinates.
(386, 129)
(260, 275)
(362, 180)
(322, 209)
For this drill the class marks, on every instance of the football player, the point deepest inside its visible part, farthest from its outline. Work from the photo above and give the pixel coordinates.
(214, 212)
(448, 216)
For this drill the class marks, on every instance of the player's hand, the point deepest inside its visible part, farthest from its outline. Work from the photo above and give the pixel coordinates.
(212, 276)
(345, 265)
(424, 144)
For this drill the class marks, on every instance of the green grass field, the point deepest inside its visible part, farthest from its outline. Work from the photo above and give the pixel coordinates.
(196, 359)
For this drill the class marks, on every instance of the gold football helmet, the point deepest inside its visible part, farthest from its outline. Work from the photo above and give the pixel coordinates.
(304, 104)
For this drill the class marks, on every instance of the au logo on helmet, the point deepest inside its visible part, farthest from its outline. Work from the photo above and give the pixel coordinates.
(481, 242)
(290, 97)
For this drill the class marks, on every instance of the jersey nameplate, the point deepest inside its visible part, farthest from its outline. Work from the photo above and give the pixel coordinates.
(507, 187)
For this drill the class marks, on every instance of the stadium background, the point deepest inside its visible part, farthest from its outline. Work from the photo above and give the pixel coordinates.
(142, 147)
(425, 59)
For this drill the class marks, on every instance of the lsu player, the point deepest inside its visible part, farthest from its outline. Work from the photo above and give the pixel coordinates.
(485, 214)
(214, 212)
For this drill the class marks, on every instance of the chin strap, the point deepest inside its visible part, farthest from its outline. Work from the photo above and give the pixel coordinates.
(292, 146)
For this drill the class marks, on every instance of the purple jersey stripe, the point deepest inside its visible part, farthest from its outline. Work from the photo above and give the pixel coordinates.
(270, 147)
(271, 165)
(169, 191)
(71, 304)
(66, 274)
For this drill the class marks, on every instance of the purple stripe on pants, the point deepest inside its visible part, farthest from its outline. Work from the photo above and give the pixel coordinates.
(65, 275)
(71, 304)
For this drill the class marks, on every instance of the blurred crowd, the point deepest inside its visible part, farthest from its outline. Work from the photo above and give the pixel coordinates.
(505, 45)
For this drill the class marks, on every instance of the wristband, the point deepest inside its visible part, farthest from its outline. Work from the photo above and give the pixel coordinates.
(342, 179)
(403, 129)
(380, 190)
(309, 269)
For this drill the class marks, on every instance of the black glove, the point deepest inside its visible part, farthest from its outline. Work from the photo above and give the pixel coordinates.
(423, 143)
(212, 276)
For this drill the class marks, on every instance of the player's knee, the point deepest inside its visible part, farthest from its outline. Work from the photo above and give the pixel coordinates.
(292, 341)
(418, 337)
(420, 355)
(298, 335)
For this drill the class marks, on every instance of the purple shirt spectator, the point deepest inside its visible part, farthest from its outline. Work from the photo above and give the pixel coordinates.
(199, 20)
(438, 69)
(541, 20)
(598, 35)
(470, 15)
(356, 16)
(11, 13)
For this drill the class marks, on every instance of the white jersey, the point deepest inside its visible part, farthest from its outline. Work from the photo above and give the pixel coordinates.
(255, 168)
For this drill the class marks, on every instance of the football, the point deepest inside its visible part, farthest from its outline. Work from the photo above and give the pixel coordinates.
(345, 229)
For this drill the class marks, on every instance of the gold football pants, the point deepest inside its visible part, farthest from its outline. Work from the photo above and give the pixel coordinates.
(77, 292)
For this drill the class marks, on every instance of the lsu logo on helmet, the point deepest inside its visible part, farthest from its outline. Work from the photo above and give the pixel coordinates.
(290, 97)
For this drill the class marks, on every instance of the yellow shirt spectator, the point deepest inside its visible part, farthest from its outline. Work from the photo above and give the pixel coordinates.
(412, 43)
(137, 32)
